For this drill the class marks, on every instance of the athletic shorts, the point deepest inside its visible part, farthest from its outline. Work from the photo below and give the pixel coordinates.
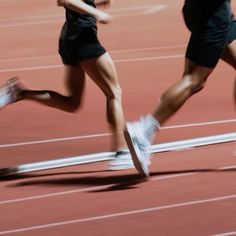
(208, 39)
(79, 44)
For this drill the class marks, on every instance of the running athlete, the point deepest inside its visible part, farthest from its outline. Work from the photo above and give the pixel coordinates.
(213, 37)
(82, 54)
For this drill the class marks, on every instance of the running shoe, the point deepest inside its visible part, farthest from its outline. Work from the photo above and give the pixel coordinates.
(139, 139)
(10, 92)
(6, 172)
(122, 161)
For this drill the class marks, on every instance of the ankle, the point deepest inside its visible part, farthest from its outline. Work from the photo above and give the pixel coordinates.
(151, 126)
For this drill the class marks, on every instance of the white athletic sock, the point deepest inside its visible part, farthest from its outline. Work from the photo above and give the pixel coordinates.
(152, 126)
(152, 122)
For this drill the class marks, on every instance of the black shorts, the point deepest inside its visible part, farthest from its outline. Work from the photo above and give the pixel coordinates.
(79, 44)
(210, 37)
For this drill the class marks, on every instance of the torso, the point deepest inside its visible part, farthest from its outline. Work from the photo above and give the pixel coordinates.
(76, 19)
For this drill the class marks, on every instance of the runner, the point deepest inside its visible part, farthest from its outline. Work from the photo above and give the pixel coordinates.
(82, 54)
(213, 37)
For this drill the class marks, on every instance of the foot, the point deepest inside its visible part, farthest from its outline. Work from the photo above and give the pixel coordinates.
(10, 92)
(5, 172)
(122, 161)
(139, 142)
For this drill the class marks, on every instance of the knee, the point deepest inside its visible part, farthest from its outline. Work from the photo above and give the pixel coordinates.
(74, 106)
(195, 84)
(115, 93)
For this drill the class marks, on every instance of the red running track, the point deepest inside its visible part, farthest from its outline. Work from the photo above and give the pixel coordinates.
(190, 192)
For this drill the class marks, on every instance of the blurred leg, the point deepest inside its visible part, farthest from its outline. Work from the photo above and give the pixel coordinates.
(75, 81)
(102, 71)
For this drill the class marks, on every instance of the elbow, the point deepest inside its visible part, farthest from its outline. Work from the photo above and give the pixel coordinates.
(62, 3)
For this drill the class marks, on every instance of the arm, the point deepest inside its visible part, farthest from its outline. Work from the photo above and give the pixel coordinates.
(80, 6)
(103, 3)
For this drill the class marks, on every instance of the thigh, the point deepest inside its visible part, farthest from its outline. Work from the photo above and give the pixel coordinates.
(197, 73)
(102, 71)
(229, 54)
(75, 81)
(206, 48)
(78, 43)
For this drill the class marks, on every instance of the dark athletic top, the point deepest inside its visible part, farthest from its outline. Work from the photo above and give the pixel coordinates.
(78, 39)
(74, 19)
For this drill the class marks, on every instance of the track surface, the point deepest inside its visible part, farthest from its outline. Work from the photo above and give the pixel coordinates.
(190, 192)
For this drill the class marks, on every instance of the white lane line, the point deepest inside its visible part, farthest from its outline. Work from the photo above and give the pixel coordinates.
(150, 58)
(146, 10)
(119, 214)
(217, 122)
(191, 143)
(30, 18)
(116, 61)
(29, 58)
(155, 9)
(29, 23)
(173, 176)
(225, 234)
(23, 199)
(110, 51)
(122, 9)
(188, 174)
(104, 156)
(148, 48)
(75, 191)
(31, 68)
(54, 140)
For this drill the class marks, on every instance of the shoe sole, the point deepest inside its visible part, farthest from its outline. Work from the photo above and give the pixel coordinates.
(121, 167)
(134, 151)
(9, 85)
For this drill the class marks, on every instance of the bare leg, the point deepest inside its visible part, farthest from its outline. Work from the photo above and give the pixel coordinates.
(229, 57)
(103, 73)
(74, 79)
(139, 135)
(193, 81)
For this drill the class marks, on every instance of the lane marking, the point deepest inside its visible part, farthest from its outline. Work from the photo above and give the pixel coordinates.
(54, 140)
(150, 9)
(105, 156)
(188, 174)
(97, 188)
(208, 123)
(225, 234)
(149, 48)
(23, 199)
(116, 61)
(119, 214)
(110, 51)
(121, 9)
(155, 9)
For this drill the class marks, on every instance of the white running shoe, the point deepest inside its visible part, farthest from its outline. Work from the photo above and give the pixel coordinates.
(139, 140)
(122, 161)
(10, 92)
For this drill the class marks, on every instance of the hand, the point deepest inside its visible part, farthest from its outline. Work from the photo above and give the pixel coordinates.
(103, 17)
